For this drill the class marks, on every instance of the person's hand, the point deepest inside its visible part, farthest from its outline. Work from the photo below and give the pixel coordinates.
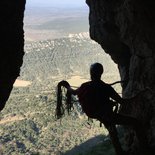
(64, 83)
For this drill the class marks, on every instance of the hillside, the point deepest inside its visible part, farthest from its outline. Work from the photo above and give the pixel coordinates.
(28, 124)
(47, 62)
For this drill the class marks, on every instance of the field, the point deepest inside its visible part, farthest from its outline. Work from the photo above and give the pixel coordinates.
(52, 23)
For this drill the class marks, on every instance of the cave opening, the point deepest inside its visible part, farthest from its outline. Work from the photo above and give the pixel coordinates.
(125, 29)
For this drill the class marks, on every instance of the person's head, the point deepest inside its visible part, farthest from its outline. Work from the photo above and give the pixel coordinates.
(96, 70)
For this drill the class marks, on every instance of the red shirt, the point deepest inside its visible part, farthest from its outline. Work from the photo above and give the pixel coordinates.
(94, 97)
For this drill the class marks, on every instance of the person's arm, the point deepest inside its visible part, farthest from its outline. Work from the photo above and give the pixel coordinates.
(115, 96)
(72, 91)
(68, 87)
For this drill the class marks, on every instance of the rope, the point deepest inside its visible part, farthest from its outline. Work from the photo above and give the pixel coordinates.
(117, 82)
(60, 108)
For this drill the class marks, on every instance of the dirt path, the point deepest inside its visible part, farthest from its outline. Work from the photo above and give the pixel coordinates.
(10, 119)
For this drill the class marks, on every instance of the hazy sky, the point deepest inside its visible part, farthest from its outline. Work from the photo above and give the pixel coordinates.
(57, 3)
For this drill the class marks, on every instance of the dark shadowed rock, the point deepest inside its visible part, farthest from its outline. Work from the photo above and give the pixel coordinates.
(11, 45)
(126, 30)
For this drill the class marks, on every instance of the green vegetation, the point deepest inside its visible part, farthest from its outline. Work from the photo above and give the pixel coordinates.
(47, 62)
(28, 125)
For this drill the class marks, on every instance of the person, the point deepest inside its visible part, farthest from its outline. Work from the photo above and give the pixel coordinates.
(96, 98)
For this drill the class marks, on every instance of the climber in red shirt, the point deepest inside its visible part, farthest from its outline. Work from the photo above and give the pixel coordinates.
(96, 98)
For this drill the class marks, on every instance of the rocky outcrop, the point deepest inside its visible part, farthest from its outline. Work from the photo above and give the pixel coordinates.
(126, 31)
(11, 45)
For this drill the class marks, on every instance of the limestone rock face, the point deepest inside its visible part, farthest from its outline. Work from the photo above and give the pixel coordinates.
(11, 45)
(126, 31)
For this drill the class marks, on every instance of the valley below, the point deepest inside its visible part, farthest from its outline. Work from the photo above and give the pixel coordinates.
(55, 50)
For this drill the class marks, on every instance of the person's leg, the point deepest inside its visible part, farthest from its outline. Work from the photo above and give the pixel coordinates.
(111, 127)
(115, 140)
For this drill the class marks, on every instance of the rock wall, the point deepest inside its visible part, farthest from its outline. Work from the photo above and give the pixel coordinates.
(11, 45)
(126, 31)
(124, 28)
